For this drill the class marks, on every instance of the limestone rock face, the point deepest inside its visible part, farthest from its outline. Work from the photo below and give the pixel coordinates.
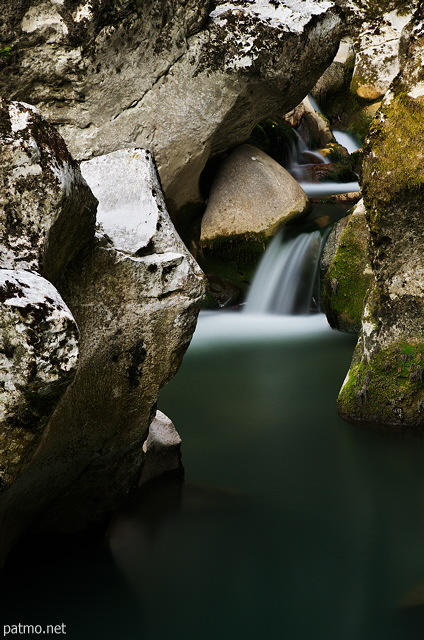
(176, 77)
(47, 210)
(384, 384)
(252, 194)
(38, 358)
(136, 308)
(377, 55)
(333, 79)
(348, 275)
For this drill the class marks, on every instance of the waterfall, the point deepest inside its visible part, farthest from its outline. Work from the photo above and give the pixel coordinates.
(324, 189)
(346, 140)
(286, 277)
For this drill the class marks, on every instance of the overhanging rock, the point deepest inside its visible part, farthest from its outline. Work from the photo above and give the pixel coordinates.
(182, 80)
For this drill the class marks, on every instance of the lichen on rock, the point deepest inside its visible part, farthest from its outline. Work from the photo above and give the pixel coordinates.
(47, 210)
(38, 359)
(206, 74)
(384, 384)
(136, 309)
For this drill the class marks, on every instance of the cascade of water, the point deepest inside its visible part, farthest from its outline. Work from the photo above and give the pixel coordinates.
(286, 276)
(346, 140)
(303, 156)
(324, 189)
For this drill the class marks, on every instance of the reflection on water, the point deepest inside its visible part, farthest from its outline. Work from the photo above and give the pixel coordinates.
(291, 524)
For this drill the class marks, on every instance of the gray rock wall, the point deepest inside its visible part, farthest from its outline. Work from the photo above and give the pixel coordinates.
(173, 77)
(134, 291)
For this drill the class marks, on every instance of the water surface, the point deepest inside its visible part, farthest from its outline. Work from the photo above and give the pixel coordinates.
(291, 524)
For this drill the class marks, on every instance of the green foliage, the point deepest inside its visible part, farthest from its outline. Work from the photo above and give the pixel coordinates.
(5, 52)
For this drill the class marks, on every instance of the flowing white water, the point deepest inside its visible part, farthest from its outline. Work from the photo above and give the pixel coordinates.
(346, 140)
(325, 189)
(286, 276)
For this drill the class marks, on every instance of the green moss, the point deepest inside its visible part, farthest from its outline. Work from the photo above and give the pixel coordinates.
(342, 173)
(388, 389)
(347, 280)
(243, 248)
(231, 263)
(395, 152)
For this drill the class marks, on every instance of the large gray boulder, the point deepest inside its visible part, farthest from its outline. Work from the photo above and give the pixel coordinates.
(178, 78)
(47, 211)
(136, 306)
(252, 195)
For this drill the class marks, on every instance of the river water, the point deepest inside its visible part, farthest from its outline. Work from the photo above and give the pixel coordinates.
(290, 524)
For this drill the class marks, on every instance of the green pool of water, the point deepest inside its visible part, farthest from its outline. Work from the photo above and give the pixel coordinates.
(291, 524)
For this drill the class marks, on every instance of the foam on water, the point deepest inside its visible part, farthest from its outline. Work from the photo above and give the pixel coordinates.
(221, 327)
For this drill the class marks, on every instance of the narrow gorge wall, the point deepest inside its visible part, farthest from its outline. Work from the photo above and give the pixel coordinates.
(385, 382)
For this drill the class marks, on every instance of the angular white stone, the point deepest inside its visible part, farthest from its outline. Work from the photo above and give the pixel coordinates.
(125, 185)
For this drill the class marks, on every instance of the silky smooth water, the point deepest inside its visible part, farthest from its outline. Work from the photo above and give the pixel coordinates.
(291, 524)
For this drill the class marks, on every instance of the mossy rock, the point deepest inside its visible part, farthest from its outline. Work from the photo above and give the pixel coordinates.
(387, 389)
(394, 152)
(229, 265)
(347, 111)
(349, 276)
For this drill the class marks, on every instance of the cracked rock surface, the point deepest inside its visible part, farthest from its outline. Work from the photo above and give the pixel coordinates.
(136, 308)
(47, 211)
(183, 79)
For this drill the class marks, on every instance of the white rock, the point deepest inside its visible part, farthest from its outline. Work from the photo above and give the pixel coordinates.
(47, 211)
(38, 358)
(128, 209)
(377, 55)
(161, 448)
